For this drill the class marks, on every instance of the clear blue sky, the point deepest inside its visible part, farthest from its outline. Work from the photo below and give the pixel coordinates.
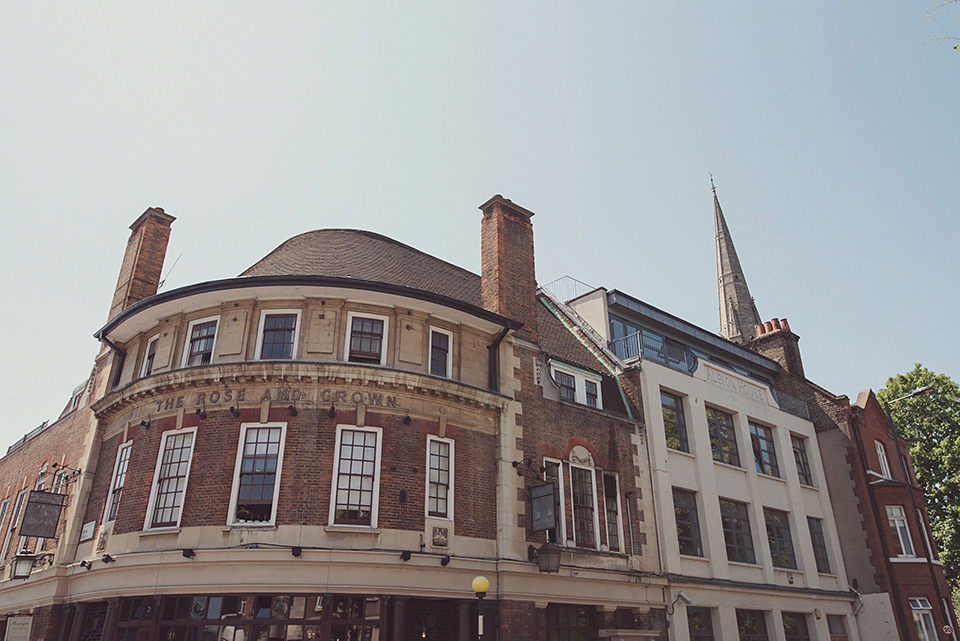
(830, 128)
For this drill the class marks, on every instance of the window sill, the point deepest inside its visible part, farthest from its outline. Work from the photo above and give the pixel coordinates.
(159, 531)
(770, 476)
(744, 564)
(351, 529)
(730, 466)
(248, 526)
(909, 559)
(809, 487)
(672, 450)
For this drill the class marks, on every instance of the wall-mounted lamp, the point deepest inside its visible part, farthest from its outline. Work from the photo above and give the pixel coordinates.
(405, 555)
(332, 412)
(201, 413)
(445, 561)
(547, 557)
(86, 564)
(188, 553)
(407, 419)
(106, 558)
(235, 412)
(292, 410)
(528, 462)
(145, 424)
(23, 563)
(296, 551)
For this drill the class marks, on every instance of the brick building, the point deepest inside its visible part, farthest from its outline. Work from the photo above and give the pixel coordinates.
(333, 445)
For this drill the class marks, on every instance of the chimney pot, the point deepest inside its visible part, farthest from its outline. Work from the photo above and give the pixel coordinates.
(776, 323)
(769, 326)
(784, 324)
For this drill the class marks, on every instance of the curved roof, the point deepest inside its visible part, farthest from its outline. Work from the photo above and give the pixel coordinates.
(364, 255)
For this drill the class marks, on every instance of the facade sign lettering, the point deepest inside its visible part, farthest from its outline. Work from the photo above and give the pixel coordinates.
(274, 394)
(753, 392)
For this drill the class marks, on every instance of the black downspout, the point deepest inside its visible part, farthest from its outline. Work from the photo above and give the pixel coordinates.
(493, 380)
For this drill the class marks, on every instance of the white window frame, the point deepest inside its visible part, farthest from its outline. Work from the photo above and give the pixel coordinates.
(260, 329)
(450, 486)
(580, 377)
(186, 341)
(384, 341)
(235, 491)
(4, 505)
(562, 508)
(882, 457)
(619, 524)
(155, 341)
(449, 363)
(148, 518)
(926, 628)
(593, 496)
(375, 500)
(900, 526)
(14, 518)
(113, 479)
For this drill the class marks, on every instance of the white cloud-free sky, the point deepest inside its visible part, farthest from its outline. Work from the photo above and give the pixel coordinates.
(830, 129)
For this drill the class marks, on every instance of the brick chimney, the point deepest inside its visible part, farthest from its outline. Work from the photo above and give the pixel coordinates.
(143, 260)
(775, 341)
(509, 279)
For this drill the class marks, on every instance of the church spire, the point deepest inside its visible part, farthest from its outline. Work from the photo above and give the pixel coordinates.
(738, 313)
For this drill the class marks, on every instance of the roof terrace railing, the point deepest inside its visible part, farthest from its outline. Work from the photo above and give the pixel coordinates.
(651, 346)
(566, 288)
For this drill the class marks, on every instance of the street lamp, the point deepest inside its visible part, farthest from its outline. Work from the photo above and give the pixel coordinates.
(913, 501)
(480, 586)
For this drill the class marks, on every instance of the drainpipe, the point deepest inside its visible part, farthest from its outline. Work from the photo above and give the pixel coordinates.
(493, 378)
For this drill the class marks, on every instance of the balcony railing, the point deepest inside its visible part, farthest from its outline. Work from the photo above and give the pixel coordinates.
(566, 288)
(658, 349)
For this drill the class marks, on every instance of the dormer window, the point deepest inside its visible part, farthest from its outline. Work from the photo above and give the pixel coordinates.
(200, 339)
(367, 338)
(577, 385)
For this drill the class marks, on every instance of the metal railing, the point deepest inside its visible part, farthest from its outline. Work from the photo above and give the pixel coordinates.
(567, 288)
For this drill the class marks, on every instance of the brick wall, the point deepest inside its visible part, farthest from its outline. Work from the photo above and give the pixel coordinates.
(508, 277)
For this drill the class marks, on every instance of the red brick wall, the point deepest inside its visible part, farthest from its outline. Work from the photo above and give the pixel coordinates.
(306, 474)
(508, 277)
(142, 261)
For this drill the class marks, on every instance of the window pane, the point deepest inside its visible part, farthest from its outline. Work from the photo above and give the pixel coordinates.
(357, 470)
(583, 506)
(688, 523)
(778, 535)
(674, 423)
(278, 336)
(736, 531)
(723, 438)
(764, 452)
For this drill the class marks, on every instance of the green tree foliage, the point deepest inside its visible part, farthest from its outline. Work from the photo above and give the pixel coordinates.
(931, 423)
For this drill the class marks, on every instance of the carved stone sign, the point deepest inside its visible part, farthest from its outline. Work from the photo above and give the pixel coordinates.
(581, 456)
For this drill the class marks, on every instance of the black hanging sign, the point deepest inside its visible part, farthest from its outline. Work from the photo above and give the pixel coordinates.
(42, 514)
(544, 507)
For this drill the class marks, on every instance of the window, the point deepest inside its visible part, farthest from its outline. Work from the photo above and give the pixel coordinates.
(928, 549)
(795, 626)
(674, 423)
(882, 457)
(901, 533)
(723, 438)
(584, 512)
(4, 505)
(764, 452)
(367, 340)
(577, 385)
(278, 335)
(441, 354)
(923, 617)
(567, 385)
(752, 625)
(800, 458)
(837, 626)
(119, 477)
(14, 520)
(201, 335)
(778, 535)
(571, 622)
(439, 477)
(819, 544)
(591, 390)
(356, 481)
(553, 473)
(700, 624)
(611, 503)
(151, 356)
(118, 362)
(257, 474)
(736, 531)
(170, 479)
(688, 523)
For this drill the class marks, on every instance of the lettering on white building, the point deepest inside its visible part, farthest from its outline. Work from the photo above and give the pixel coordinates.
(753, 392)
